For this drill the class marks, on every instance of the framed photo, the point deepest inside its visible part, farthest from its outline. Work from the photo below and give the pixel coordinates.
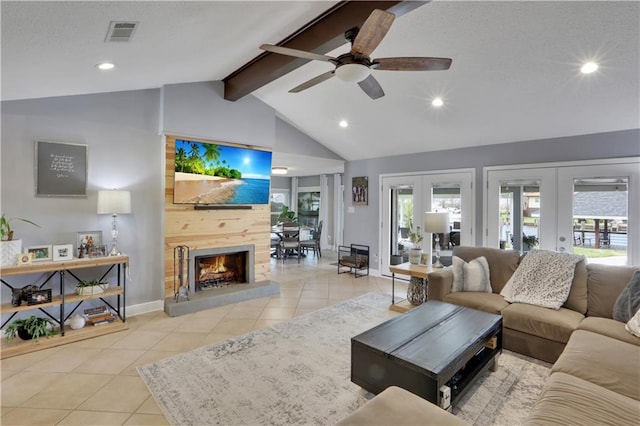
(97, 251)
(39, 296)
(61, 169)
(25, 259)
(40, 253)
(89, 239)
(62, 252)
(360, 191)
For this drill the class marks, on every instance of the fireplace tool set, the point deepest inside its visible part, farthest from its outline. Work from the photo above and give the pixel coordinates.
(181, 270)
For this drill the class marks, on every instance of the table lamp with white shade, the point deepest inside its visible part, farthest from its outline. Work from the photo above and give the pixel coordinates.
(114, 202)
(436, 223)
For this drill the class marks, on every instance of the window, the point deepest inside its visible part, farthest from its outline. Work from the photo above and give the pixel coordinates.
(279, 198)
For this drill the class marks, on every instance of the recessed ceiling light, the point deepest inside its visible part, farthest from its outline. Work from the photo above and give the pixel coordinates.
(343, 124)
(105, 66)
(589, 67)
(437, 102)
(279, 170)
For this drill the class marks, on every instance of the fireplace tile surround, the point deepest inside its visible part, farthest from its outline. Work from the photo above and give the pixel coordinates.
(227, 293)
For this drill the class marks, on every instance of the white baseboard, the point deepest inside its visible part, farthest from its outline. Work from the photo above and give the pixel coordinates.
(145, 308)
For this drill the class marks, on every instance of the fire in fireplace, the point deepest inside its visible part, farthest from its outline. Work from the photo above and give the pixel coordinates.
(217, 267)
(220, 270)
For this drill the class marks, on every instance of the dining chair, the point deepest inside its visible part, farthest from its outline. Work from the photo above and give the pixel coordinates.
(313, 243)
(290, 240)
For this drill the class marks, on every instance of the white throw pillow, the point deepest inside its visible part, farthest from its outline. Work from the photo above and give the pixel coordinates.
(543, 278)
(472, 276)
(633, 326)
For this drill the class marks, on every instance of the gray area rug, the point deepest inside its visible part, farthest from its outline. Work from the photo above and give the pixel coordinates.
(298, 372)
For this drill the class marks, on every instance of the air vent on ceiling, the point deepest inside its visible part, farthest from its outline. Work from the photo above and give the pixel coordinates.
(121, 31)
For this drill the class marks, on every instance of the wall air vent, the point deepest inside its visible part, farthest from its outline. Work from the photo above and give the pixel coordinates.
(120, 31)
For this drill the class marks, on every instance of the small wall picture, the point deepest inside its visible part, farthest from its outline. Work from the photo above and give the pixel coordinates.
(97, 251)
(39, 296)
(40, 253)
(62, 252)
(25, 259)
(360, 191)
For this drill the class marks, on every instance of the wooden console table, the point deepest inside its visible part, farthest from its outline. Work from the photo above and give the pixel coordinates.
(62, 299)
(411, 270)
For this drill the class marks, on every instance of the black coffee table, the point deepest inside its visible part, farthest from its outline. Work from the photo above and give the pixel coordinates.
(430, 346)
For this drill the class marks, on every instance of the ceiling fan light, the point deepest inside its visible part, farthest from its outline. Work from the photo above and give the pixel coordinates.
(353, 73)
(279, 170)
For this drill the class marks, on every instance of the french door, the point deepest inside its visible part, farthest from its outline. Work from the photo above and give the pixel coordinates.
(590, 208)
(598, 212)
(406, 198)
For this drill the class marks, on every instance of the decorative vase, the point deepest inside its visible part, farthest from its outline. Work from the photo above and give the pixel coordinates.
(9, 251)
(77, 321)
(415, 254)
(417, 291)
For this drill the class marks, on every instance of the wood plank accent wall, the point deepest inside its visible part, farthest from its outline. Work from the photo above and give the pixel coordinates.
(198, 229)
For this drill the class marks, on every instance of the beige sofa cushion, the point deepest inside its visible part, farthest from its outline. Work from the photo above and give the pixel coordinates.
(556, 325)
(396, 406)
(577, 299)
(604, 361)
(604, 285)
(569, 400)
(608, 327)
(502, 263)
(488, 302)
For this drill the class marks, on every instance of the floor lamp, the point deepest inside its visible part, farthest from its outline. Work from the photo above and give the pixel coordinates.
(436, 223)
(114, 203)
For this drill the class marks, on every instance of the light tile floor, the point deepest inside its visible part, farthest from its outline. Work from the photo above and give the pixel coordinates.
(95, 382)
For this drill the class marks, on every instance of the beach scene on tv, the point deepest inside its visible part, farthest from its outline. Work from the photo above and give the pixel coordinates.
(219, 174)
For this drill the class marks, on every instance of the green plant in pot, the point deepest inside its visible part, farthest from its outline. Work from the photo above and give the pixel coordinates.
(287, 215)
(10, 248)
(530, 240)
(6, 233)
(88, 287)
(415, 253)
(30, 328)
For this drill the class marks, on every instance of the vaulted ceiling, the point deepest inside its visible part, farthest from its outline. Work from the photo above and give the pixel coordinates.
(515, 73)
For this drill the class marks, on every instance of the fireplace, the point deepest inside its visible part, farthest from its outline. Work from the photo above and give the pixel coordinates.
(220, 270)
(219, 267)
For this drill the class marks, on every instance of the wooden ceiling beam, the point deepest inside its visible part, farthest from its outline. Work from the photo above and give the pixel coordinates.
(321, 35)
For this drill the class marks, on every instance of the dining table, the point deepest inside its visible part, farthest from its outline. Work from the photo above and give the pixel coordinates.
(306, 233)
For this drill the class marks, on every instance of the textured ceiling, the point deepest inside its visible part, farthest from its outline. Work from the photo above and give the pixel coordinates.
(514, 74)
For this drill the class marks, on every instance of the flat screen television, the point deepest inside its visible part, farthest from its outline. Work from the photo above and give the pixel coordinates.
(217, 174)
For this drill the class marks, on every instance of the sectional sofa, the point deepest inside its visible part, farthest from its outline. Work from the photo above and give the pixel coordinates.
(595, 378)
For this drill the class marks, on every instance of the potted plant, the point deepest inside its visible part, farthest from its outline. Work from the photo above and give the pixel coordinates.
(287, 215)
(30, 328)
(10, 248)
(529, 241)
(415, 253)
(90, 287)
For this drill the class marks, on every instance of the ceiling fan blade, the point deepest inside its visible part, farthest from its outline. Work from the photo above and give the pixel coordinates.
(372, 32)
(297, 53)
(411, 64)
(315, 80)
(371, 87)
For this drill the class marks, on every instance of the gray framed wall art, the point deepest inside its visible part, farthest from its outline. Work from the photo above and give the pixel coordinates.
(61, 169)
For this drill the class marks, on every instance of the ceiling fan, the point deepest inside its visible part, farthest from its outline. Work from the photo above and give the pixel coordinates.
(356, 65)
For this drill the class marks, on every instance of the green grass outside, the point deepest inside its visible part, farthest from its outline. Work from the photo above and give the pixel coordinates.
(594, 252)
